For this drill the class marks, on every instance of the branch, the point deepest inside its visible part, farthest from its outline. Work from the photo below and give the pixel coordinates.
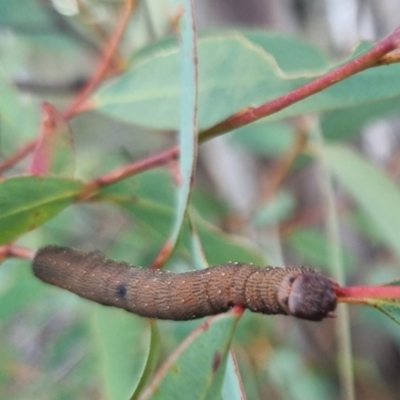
(364, 294)
(9, 250)
(94, 81)
(133, 168)
(371, 58)
(105, 62)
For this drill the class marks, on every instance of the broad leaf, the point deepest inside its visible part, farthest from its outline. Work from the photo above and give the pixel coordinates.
(195, 370)
(27, 201)
(234, 73)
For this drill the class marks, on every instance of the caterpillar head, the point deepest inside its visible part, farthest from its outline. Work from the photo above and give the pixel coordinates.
(308, 295)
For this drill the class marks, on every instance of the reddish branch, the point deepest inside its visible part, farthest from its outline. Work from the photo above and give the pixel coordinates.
(371, 58)
(9, 250)
(77, 103)
(367, 294)
(105, 62)
(131, 169)
(377, 55)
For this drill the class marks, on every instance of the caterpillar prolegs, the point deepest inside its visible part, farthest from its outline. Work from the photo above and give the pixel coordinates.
(296, 291)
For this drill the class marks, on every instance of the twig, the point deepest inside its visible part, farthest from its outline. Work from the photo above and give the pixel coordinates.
(10, 250)
(136, 167)
(94, 81)
(371, 58)
(364, 294)
(104, 65)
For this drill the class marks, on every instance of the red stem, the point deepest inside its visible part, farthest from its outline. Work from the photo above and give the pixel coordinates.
(129, 170)
(105, 62)
(9, 250)
(361, 293)
(366, 60)
(369, 59)
(95, 80)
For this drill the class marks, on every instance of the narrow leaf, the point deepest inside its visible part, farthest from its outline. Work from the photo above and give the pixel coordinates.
(233, 386)
(188, 125)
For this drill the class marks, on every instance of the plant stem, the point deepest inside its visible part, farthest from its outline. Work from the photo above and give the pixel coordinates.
(106, 61)
(135, 167)
(360, 294)
(10, 250)
(78, 102)
(371, 58)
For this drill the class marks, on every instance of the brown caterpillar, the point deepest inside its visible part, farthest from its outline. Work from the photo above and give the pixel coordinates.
(296, 291)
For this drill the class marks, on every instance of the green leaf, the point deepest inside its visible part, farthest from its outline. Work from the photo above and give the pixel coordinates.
(195, 370)
(188, 123)
(371, 85)
(24, 12)
(122, 342)
(233, 387)
(391, 308)
(293, 54)
(388, 306)
(234, 73)
(28, 201)
(151, 360)
(371, 188)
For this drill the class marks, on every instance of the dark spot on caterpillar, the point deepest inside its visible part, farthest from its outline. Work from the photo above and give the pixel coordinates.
(296, 291)
(216, 361)
(121, 291)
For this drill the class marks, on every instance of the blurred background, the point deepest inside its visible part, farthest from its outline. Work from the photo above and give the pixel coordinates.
(260, 188)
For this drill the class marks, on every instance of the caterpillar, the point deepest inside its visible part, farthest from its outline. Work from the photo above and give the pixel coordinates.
(296, 291)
